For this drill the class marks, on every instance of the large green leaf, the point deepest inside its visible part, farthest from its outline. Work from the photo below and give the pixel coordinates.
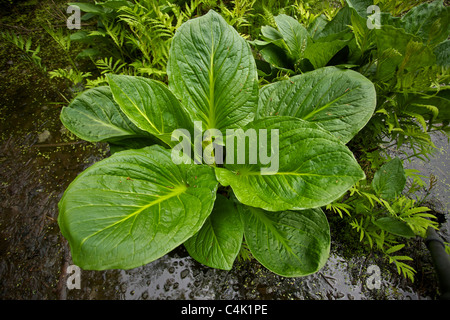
(341, 101)
(389, 181)
(134, 207)
(320, 53)
(150, 105)
(272, 35)
(316, 26)
(360, 6)
(212, 71)
(219, 240)
(338, 25)
(294, 34)
(133, 143)
(277, 57)
(364, 36)
(94, 116)
(288, 243)
(313, 169)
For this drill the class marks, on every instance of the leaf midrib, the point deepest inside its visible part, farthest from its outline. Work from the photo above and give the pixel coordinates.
(175, 193)
(211, 100)
(107, 124)
(139, 110)
(267, 222)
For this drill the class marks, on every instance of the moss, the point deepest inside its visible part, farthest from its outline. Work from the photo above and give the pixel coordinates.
(19, 76)
(344, 238)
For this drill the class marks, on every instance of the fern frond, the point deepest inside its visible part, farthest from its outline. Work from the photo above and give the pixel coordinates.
(72, 75)
(107, 65)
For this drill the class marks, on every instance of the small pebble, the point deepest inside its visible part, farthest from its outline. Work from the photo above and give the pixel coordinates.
(339, 295)
(184, 273)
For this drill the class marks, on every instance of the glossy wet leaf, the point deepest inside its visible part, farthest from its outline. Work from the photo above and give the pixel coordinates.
(389, 181)
(134, 207)
(317, 25)
(277, 57)
(338, 25)
(292, 47)
(320, 53)
(360, 6)
(150, 105)
(341, 101)
(137, 205)
(219, 240)
(314, 168)
(133, 143)
(94, 116)
(272, 35)
(288, 243)
(212, 71)
(294, 34)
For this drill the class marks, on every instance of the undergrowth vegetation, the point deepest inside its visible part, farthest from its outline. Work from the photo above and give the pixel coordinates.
(407, 62)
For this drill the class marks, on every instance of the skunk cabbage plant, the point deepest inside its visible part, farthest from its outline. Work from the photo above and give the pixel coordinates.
(211, 159)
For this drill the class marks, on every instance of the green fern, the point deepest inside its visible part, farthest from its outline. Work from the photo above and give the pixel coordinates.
(117, 33)
(338, 208)
(107, 65)
(24, 44)
(362, 208)
(99, 81)
(244, 253)
(402, 268)
(240, 13)
(74, 76)
(144, 69)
